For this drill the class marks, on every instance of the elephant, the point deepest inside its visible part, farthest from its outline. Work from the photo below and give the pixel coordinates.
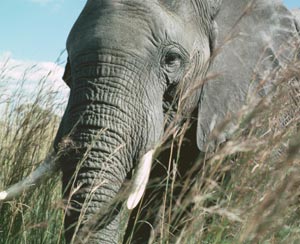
(138, 68)
(296, 13)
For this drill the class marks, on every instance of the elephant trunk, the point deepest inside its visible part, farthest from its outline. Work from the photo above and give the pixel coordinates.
(100, 139)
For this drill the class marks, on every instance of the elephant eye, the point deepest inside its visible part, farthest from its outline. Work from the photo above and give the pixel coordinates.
(172, 63)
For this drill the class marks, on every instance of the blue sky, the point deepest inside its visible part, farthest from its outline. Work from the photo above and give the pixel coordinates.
(292, 3)
(37, 29)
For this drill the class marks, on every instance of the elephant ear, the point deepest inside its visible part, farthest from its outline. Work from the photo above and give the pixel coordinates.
(67, 74)
(258, 31)
(296, 13)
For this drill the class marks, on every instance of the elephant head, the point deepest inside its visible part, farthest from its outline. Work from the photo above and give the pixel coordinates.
(126, 62)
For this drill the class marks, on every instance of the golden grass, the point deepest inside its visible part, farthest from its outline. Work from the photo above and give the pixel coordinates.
(27, 131)
(246, 192)
(248, 189)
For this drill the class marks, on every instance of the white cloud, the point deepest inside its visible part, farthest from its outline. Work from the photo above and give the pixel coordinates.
(29, 77)
(16, 70)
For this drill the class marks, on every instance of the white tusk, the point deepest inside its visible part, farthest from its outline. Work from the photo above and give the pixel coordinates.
(47, 168)
(3, 195)
(141, 180)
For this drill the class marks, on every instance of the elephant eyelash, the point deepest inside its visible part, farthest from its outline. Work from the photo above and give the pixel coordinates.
(175, 50)
(172, 59)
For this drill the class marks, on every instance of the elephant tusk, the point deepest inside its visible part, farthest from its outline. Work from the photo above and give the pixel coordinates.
(47, 168)
(141, 180)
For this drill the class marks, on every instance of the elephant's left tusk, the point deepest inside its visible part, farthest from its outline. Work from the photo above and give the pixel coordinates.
(141, 180)
(47, 168)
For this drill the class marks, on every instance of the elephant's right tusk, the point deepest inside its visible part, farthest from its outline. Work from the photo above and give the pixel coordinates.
(141, 180)
(47, 168)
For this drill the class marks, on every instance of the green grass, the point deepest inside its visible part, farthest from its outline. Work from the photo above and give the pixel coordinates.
(247, 191)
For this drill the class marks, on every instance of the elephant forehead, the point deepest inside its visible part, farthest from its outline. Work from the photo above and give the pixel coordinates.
(132, 25)
(109, 25)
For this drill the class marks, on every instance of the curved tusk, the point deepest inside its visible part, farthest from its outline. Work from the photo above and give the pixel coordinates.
(47, 168)
(141, 180)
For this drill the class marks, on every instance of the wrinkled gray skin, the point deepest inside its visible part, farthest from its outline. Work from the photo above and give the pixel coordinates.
(123, 58)
(252, 48)
(296, 13)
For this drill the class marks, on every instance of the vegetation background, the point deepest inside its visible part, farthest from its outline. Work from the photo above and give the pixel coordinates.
(247, 191)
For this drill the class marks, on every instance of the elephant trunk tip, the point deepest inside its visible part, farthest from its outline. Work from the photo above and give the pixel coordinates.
(140, 180)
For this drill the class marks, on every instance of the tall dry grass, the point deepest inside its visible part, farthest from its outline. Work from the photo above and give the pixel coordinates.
(28, 124)
(247, 191)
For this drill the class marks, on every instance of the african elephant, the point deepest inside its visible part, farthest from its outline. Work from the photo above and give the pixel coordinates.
(127, 62)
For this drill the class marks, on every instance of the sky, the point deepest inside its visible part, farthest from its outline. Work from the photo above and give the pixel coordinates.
(292, 3)
(34, 33)
(37, 29)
